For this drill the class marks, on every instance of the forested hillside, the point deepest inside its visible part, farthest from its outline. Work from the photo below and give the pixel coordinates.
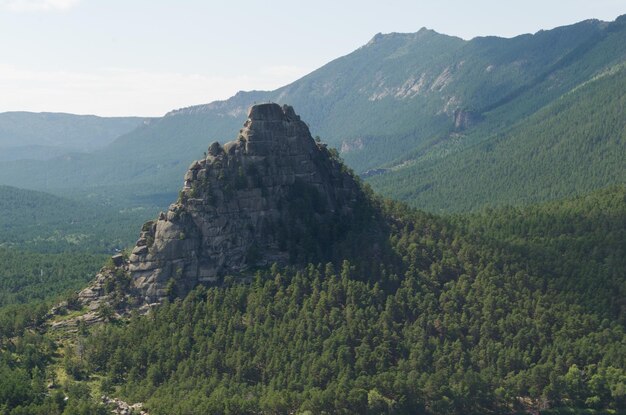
(40, 222)
(572, 146)
(511, 309)
(50, 247)
(27, 276)
(515, 309)
(493, 282)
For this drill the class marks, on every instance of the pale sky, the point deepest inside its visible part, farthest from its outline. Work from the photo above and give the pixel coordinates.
(146, 57)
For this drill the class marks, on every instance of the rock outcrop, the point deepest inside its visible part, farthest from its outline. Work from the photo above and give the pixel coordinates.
(273, 195)
(464, 119)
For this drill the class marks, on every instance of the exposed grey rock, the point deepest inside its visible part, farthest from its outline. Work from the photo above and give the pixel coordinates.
(248, 204)
(121, 407)
(215, 149)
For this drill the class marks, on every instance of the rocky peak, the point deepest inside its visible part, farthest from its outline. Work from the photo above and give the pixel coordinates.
(273, 195)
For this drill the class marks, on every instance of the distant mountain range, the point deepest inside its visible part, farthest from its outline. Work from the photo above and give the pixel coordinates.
(441, 122)
(45, 135)
(39, 222)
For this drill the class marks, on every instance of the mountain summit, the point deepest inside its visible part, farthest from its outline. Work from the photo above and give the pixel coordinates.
(273, 195)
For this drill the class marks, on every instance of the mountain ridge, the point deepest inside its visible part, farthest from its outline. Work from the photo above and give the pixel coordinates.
(278, 282)
(45, 135)
(379, 104)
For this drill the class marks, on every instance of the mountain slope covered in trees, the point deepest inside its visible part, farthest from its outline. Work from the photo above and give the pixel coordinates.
(517, 309)
(41, 222)
(514, 309)
(501, 311)
(572, 146)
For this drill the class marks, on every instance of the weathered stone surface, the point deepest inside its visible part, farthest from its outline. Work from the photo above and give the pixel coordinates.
(464, 119)
(120, 407)
(246, 205)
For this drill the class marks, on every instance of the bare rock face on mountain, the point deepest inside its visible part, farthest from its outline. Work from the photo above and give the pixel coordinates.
(274, 195)
(464, 119)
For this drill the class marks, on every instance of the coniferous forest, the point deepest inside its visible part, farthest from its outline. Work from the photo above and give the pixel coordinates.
(476, 266)
(500, 311)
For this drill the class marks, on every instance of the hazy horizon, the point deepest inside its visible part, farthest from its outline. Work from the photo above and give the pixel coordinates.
(147, 58)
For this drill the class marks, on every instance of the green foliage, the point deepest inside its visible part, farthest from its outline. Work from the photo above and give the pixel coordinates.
(359, 236)
(580, 241)
(27, 277)
(41, 222)
(501, 311)
(14, 387)
(570, 147)
(23, 381)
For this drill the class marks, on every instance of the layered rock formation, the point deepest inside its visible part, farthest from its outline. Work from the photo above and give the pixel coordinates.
(273, 195)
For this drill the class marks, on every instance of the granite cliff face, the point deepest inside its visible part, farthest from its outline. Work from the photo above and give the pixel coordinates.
(273, 195)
